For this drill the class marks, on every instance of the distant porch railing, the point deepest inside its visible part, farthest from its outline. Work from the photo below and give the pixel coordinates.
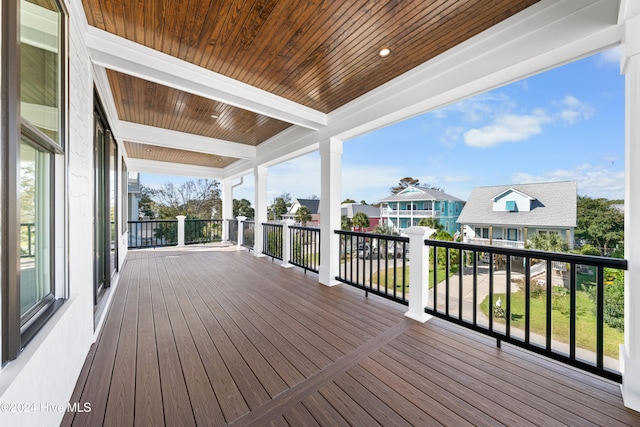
(273, 240)
(515, 244)
(248, 234)
(152, 233)
(27, 240)
(295, 245)
(375, 263)
(305, 247)
(202, 231)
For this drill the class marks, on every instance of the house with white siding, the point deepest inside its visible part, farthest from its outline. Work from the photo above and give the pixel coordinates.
(507, 215)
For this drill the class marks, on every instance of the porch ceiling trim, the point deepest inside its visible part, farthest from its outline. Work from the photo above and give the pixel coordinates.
(173, 169)
(119, 54)
(151, 135)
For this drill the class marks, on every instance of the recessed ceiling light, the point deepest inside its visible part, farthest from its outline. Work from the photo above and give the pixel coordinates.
(214, 116)
(384, 52)
(148, 150)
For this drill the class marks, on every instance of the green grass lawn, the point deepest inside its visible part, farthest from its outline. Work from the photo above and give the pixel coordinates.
(585, 318)
(402, 278)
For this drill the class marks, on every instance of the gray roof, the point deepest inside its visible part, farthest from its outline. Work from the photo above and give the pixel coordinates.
(424, 194)
(555, 205)
(312, 204)
(350, 209)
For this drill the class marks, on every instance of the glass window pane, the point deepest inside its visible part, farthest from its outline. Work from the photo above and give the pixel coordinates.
(35, 226)
(40, 65)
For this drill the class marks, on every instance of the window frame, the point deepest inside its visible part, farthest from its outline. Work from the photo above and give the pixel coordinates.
(18, 330)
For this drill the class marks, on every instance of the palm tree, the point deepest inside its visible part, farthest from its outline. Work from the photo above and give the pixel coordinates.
(303, 215)
(361, 220)
(549, 242)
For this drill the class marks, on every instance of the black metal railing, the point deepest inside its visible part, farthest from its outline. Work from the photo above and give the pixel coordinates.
(202, 231)
(556, 304)
(375, 263)
(233, 230)
(248, 230)
(305, 247)
(152, 233)
(272, 240)
(27, 240)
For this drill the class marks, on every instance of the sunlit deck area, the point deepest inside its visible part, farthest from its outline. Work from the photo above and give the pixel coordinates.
(216, 336)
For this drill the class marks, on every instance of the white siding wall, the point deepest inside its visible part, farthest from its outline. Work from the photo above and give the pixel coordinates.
(47, 370)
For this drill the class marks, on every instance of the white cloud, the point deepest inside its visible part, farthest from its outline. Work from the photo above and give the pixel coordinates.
(451, 135)
(573, 109)
(609, 57)
(593, 181)
(507, 128)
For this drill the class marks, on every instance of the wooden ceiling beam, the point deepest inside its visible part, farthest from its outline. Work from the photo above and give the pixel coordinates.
(173, 169)
(119, 54)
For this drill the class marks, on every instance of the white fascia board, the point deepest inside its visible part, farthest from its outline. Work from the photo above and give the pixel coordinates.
(103, 87)
(173, 169)
(544, 36)
(150, 135)
(131, 58)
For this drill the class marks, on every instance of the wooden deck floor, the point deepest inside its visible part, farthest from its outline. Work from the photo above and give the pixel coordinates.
(219, 337)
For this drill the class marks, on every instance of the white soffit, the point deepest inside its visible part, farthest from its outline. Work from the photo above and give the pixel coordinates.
(150, 135)
(120, 54)
(173, 169)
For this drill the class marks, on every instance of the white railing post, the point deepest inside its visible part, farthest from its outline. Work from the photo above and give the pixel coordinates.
(418, 273)
(241, 220)
(181, 230)
(286, 243)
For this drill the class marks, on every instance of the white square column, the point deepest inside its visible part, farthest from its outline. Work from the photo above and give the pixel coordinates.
(630, 350)
(260, 207)
(227, 207)
(330, 194)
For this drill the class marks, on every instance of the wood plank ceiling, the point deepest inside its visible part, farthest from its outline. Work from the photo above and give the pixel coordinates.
(321, 54)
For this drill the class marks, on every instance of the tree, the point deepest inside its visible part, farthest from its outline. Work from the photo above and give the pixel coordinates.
(549, 242)
(345, 223)
(280, 206)
(407, 181)
(600, 224)
(303, 215)
(242, 207)
(404, 183)
(147, 207)
(348, 201)
(384, 229)
(431, 223)
(193, 199)
(361, 220)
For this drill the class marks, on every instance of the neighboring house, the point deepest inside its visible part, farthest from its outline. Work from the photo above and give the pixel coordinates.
(507, 215)
(408, 207)
(134, 195)
(312, 204)
(350, 209)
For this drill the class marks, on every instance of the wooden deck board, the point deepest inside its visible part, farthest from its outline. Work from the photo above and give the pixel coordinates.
(217, 336)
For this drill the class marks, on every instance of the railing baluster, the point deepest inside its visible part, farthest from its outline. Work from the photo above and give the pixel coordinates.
(600, 318)
(527, 300)
(549, 305)
(572, 312)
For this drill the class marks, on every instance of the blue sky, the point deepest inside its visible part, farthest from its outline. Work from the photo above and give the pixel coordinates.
(564, 124)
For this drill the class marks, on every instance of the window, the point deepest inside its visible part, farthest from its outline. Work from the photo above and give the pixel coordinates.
(428, 206)
(33, 147)
(510, 206)
(512, 234)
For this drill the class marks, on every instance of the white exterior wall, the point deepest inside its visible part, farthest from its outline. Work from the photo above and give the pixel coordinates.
(47, 370)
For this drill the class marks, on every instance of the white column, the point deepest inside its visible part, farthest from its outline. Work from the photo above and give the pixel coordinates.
(419, 273)
(630, 350)
(260, 207)
(227, 207)
(181, 229)
(330, 193)
(286, 243)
